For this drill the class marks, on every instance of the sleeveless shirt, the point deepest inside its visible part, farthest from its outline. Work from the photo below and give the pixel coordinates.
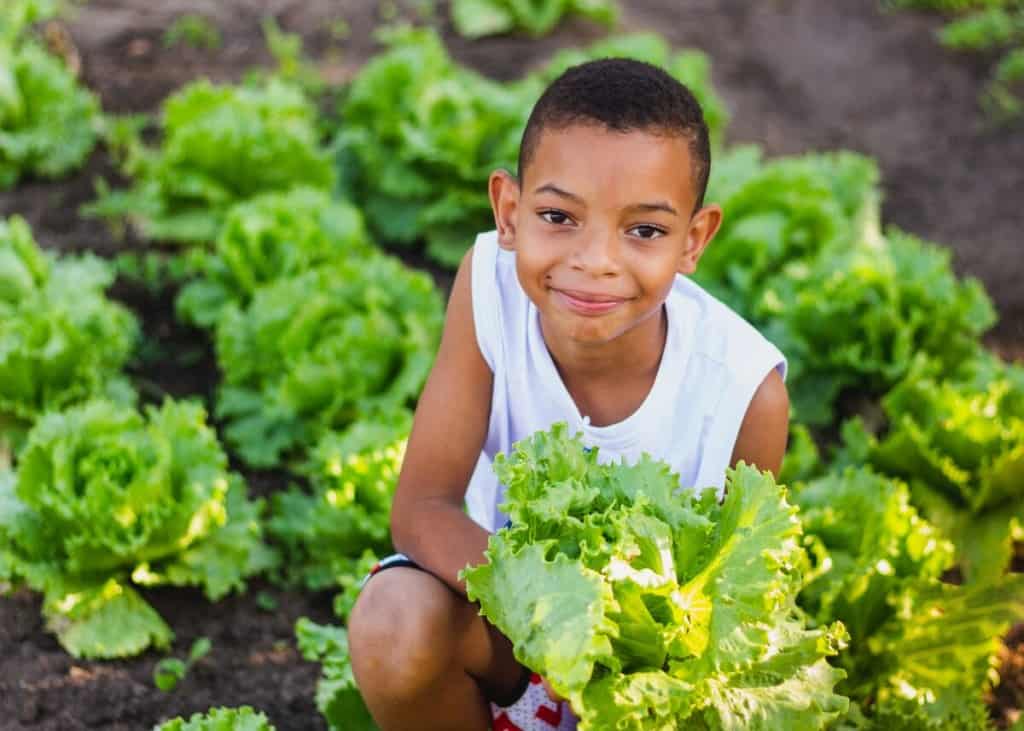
(712, 364)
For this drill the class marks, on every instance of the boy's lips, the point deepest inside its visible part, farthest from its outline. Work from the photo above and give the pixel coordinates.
(588, 303)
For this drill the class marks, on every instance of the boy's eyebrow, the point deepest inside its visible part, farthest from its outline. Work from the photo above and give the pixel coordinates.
(658, 206)
(552, 188)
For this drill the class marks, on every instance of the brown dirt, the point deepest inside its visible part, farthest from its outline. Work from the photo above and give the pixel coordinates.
(797, 75)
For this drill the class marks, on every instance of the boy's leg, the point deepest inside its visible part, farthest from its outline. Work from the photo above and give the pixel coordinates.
(423, 657)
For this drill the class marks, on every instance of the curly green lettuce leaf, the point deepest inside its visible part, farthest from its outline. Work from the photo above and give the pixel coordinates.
(243, 718)
(273, 236)
(645, 605)
(48, 121)
(61, 340)
(104, 620)
(958, 440)
(906, 300)
(321, 350)
(221, 145)
(332, 534)
(921, 651)
(106, 498)
(480, 18)
(337, 696)
(783, 212)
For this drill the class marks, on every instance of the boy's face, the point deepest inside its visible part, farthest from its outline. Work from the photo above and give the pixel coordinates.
(601, 223)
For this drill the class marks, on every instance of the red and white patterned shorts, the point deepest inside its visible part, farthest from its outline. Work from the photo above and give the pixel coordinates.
(534, 711)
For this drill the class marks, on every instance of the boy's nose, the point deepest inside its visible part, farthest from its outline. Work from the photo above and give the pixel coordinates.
(597, 255)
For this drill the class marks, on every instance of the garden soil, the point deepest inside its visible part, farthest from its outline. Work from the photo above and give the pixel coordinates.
(797, 75)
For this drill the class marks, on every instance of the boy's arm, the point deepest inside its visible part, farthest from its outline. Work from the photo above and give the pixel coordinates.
(427, 520)
(765, 428)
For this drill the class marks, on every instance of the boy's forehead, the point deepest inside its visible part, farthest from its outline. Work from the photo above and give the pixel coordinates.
(637, 163)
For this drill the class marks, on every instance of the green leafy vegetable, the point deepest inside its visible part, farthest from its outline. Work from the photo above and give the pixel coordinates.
(48, 121)
(337, 696)
(170, 671)
(273, 236)
(959, 442)
(319, 351)
(220, 719)
(105, 500)
(196, 31)
(785, 212)
(921, 652)
(221, 145)
(648, 608)
(905, 299)
(420, 134)
(332, 536)
(61, 340)
(479, 18)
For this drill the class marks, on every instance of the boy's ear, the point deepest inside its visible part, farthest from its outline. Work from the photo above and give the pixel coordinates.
(504, 192)
(703, 226)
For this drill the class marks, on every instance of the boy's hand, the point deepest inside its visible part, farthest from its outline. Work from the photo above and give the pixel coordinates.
(551, 691)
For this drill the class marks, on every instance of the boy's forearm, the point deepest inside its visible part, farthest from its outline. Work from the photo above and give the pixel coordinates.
(440, 537)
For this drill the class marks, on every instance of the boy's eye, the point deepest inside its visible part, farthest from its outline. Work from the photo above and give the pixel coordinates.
(556, 217)
(645, 231)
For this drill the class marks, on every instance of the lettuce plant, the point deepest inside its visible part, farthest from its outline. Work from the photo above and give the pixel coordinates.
(958, 440)
(419, 134)
(785, 212)
(337, 696)
(649, 608)
(221, 145)
(479, 18)
(905, 299)
(331, 536)
(61, 340)
(272, 236)
(48, 121)
(318, 351)
(921, 652)
(219, 719)
(106, 500)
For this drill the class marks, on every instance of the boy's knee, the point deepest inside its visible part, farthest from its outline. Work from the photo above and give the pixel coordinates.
(402, 633)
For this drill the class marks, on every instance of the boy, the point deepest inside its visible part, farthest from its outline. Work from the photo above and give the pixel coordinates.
(573, 310)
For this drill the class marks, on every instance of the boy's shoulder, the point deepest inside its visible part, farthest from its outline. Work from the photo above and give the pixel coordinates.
(724, 337)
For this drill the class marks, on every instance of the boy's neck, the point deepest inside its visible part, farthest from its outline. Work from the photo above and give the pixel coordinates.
(630, 363)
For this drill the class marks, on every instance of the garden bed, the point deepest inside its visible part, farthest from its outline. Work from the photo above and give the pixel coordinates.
(797, 75)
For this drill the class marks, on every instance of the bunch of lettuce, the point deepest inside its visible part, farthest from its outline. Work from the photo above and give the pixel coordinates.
(785, 212)
(479, 18)
(648, 608)
(420, 134)
(221, 145)
(331, 536)
(958, 440)
(322, 350)
(921, 652)
(901, 295)
(243, 718)
(337, 696)
(106, 500)
(61, 340)
(272, 236)
(48, 121)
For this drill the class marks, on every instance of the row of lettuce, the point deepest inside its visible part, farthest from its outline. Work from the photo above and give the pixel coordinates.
(323, 343)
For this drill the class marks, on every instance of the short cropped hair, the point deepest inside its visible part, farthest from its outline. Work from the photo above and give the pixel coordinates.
(621, 95)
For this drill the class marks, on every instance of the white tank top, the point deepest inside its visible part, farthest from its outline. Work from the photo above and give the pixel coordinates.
(712, 364)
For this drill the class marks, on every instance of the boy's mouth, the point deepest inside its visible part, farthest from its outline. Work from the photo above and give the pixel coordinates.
(588, 303)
